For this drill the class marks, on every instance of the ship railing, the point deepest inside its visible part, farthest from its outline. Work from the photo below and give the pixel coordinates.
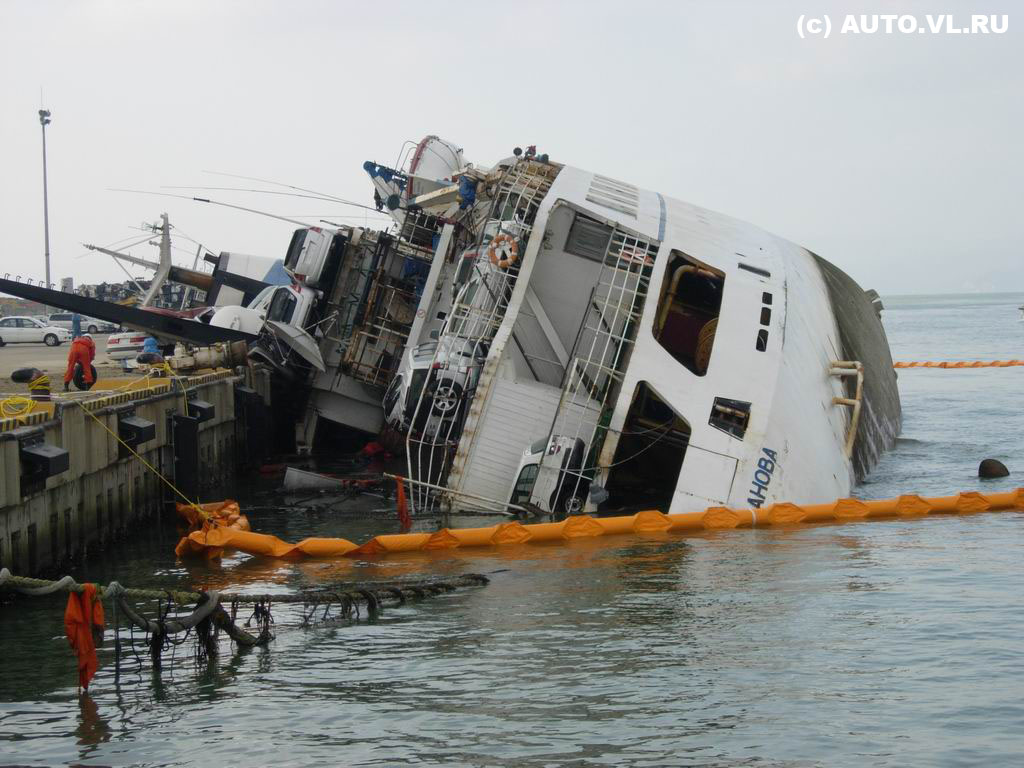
(843, 369)
(373, 350)
(433, 439)
(600, 354)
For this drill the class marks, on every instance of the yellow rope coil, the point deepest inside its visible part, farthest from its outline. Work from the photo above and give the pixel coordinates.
(16, 406)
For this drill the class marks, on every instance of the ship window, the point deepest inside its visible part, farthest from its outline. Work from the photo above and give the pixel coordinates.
(524, 484)
(730, 416)
(588, 238)
(762, 340)
(687, 319)
(766, 315)
(649, 455)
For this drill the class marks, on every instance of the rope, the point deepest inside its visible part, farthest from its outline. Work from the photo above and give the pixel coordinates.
(16, 406)
(133, 382)
(166, 368)
(173, 626)
(397, 591)
(145, 463)
(209, 610)
(959, 364)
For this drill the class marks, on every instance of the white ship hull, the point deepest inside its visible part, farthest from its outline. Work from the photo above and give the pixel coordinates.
(691, 337)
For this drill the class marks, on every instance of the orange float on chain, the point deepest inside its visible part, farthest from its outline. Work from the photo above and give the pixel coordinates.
(224, 513)
(506, 244)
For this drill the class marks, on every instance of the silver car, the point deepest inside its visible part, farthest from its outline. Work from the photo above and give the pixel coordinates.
(443, 374)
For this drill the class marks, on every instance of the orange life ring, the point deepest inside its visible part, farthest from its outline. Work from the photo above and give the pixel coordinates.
(505, 243)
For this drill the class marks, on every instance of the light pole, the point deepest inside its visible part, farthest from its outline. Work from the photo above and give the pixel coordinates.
(44, 120)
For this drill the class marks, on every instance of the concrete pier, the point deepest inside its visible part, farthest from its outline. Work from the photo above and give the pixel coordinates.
(68, 484)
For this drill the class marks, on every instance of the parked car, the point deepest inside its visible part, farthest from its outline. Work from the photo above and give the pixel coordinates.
(125, 345)
(14, 330)
(449, 376)
(563, 485)
(89, 324)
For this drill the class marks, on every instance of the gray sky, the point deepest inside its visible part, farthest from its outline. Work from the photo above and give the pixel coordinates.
(898, 157)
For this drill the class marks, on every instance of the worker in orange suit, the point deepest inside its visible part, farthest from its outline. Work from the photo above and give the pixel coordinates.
(80, 357)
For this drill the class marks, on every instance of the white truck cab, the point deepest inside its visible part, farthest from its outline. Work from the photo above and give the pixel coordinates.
(314, 256)
(283, 309)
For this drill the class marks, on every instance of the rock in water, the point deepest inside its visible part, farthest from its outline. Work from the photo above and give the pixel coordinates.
(992, 468)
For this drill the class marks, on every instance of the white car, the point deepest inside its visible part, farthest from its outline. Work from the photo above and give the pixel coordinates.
(89, 325)
(566, 483)
(28, 330)
(448, 369)
(125, 345)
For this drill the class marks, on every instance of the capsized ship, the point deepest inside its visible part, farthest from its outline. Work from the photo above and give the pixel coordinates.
(544, 338)
(582, 343)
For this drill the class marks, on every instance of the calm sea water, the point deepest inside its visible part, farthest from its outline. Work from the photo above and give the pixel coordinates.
(876, 643)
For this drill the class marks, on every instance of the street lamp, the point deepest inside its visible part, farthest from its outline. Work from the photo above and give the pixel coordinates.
(44, 120)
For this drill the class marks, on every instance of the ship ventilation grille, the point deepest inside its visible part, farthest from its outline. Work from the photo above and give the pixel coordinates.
(613, 194)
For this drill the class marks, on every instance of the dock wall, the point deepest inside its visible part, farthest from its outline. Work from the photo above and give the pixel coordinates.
(44, 523)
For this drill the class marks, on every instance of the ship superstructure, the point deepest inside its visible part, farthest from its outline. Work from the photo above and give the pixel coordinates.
(585, 343)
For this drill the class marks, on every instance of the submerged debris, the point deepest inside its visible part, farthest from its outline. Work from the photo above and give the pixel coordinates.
(990, 468)
(173, 623)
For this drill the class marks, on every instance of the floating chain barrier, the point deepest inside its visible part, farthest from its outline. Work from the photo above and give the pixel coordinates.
(213, 540)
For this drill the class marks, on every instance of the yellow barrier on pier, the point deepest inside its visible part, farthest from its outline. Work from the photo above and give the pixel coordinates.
(213, 539)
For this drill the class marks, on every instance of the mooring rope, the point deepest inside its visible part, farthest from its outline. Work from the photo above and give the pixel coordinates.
(396, 591)
(958, 364)
(137, 455)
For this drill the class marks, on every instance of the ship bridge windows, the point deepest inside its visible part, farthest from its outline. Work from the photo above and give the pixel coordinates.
(688, 308)
(649, 455)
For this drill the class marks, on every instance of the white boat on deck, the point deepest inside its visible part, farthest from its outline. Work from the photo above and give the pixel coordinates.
(303, 480)
(616, 347)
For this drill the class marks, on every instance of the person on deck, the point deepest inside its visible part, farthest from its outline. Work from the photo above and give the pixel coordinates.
(80, 358)
(76, 325)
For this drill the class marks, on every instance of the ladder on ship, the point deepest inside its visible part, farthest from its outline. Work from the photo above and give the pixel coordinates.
(600, 356)
(444, 400)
